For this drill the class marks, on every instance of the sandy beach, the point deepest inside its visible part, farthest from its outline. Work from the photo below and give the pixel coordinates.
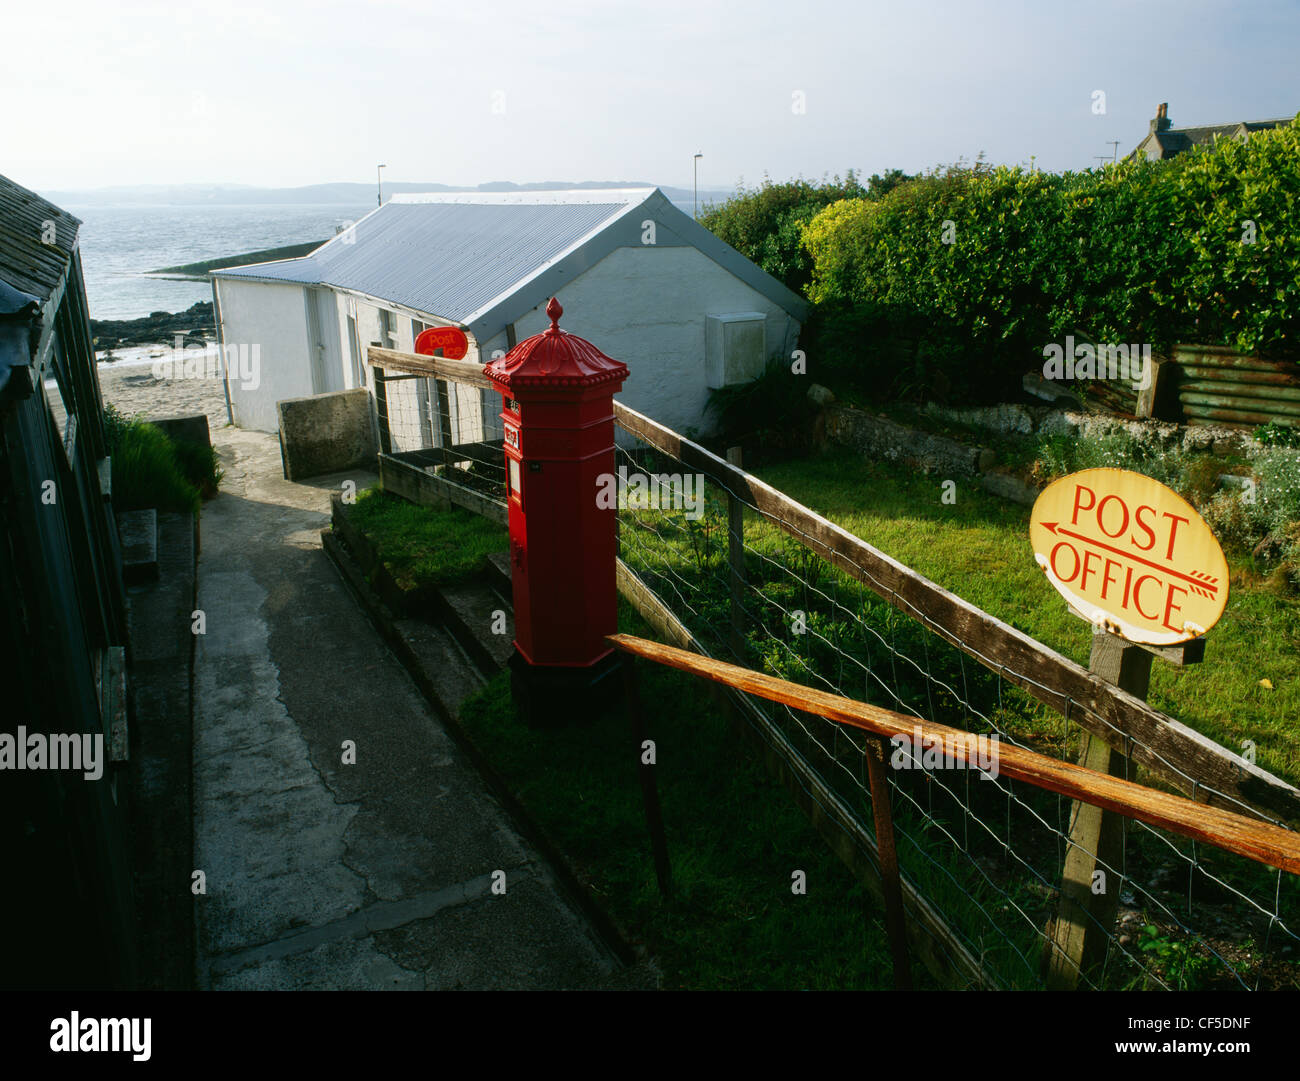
(144, 381)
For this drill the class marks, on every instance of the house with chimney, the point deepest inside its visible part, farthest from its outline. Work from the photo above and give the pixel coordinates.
(1166, 141)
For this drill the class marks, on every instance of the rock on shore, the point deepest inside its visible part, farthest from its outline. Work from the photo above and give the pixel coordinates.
(196, 323)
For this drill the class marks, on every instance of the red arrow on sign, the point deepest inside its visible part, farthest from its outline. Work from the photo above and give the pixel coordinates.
(1200, 582)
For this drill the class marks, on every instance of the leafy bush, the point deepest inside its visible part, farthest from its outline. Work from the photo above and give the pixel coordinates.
(970, 303)
(1277, 507)
(774, 403)
(1269, 511)
(1274, 434)
(765, 224)
(985, 266)
(1239, 518)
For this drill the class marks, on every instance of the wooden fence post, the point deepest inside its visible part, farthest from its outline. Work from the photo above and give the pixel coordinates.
(443, 397)
(654, 818)
(381, 409)
(1080, 934)
(736, 561)
(890, 880)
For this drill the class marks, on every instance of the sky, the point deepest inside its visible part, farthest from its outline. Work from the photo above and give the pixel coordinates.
(283, 93)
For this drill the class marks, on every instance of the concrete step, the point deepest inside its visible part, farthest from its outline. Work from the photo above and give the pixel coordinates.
(482, 620)
(138, 531)
(434, 649)
(422, 647)
(498, 572)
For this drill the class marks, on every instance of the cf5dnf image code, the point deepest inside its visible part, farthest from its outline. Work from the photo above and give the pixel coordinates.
(1161, 1024)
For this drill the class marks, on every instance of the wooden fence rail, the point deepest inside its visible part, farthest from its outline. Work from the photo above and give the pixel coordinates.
(1258, 841)
(1190, 761)
(453, 371)
(939, 947)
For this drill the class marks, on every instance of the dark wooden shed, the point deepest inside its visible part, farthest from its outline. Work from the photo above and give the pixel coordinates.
(67, 898)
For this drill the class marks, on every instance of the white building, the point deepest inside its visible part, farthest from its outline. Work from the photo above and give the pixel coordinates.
(636, 276)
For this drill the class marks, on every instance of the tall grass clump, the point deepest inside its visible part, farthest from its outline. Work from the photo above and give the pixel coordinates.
(152, 470)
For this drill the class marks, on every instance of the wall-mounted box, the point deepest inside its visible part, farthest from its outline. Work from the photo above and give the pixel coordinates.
(735, 348)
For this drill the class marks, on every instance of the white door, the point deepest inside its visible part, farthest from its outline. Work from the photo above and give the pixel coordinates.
(323, 340)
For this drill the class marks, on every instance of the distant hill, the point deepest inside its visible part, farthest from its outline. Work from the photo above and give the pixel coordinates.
(348, 194)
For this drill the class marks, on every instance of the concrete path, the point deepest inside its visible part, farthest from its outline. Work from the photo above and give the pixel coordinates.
(320, 873)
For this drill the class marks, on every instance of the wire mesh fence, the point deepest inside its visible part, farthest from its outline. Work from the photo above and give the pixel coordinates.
(987, 852)
(443, 427)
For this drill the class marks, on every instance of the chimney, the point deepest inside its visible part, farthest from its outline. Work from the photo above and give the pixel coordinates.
(1161, 121)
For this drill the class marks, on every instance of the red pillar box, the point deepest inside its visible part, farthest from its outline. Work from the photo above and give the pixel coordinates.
(558, 392)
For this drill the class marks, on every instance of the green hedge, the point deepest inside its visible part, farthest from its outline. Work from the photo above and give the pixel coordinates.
(1139, 252)
(765, 223)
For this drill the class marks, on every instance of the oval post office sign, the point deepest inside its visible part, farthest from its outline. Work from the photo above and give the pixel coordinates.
(1131, 556)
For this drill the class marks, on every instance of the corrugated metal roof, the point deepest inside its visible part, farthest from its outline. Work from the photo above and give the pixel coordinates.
(303, 271)
(26, 261)
(452, 255)
(483, 259)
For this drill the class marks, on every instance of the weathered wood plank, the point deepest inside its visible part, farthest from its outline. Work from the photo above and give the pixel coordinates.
(453, 371)
(736, 563)
(1259, 841)
(381, 411)
(1079, 935)
(430, 490)
(942, 952)
(1155, 741)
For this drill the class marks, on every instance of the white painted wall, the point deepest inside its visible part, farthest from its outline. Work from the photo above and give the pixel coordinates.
(646, 306)
(272, 317)
(490, 403)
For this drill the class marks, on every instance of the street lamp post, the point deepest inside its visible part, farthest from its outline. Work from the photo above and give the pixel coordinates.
(379, 185)
(695, 199)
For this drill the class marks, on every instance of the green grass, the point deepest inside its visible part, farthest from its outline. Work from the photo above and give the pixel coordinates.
(734, 838)
(979, 549)
(200, 465)
(146, 470)
(424, 547)
(152, 470)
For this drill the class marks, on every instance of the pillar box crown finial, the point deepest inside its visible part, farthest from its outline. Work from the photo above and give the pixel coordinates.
(555, 358)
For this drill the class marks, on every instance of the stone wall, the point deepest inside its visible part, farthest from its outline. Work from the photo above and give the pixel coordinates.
(326, 433)
(879, 437)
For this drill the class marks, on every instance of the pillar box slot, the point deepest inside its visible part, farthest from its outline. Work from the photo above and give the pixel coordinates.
(558, 414)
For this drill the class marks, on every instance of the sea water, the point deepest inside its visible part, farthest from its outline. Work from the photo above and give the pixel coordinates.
(121, 244)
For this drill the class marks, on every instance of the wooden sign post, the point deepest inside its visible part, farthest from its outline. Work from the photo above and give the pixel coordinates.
(1136, 561)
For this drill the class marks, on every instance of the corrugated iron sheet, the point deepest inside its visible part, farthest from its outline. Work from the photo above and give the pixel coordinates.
(1216, 384)
(446, 259)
